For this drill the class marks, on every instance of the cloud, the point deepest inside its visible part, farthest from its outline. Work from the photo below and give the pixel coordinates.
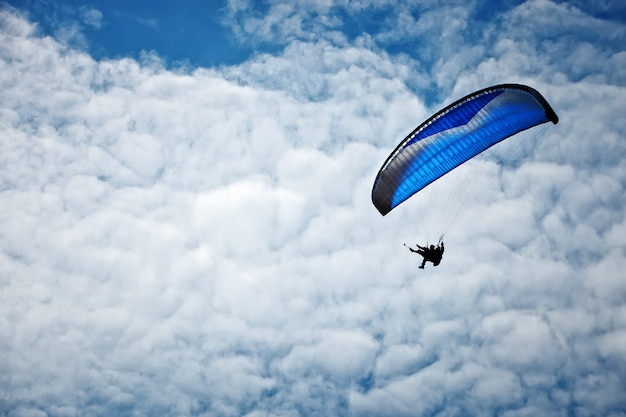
(91, 17)
(202, 242)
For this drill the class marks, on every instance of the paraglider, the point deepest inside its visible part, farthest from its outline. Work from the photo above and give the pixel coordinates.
(430, 253)
(450, 138)
(454, 135)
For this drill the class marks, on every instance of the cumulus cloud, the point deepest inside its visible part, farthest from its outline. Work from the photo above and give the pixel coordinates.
(202, 242)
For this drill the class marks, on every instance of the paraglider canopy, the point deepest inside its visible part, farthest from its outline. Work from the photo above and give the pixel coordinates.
(454, 135)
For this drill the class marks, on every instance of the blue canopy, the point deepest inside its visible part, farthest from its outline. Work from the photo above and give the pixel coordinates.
(454, 135)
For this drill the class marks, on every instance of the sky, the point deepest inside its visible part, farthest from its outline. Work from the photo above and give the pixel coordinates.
(186, 225)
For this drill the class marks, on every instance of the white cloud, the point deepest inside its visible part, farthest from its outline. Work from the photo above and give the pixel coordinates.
(204, 242)
(91, 17)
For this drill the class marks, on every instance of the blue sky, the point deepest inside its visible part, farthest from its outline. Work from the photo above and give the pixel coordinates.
(186, 225)
(191, 31)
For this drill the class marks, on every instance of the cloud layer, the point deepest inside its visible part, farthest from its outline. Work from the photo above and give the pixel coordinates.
(202, 242)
